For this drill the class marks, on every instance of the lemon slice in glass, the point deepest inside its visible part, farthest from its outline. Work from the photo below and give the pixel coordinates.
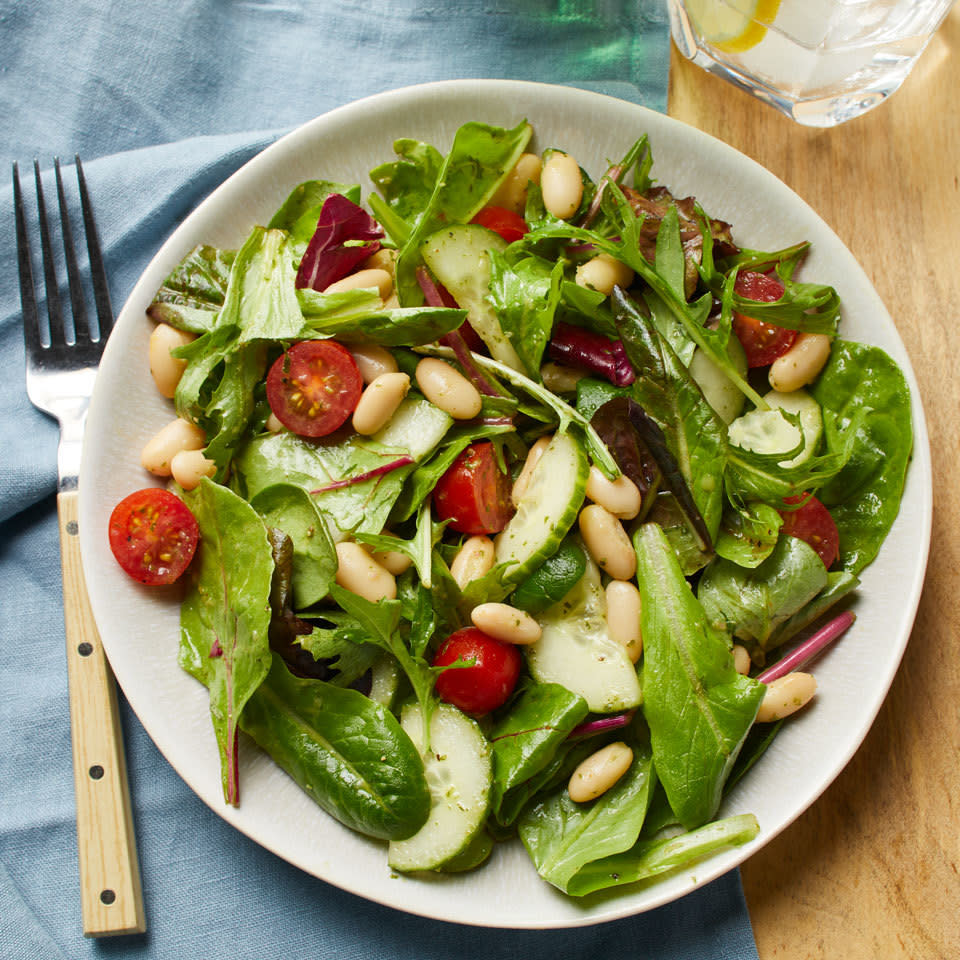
(732, 25)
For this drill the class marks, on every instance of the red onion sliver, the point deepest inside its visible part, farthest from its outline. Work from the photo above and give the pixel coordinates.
(602, 725)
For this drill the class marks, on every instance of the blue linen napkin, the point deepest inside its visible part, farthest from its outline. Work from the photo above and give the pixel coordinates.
(166, 94)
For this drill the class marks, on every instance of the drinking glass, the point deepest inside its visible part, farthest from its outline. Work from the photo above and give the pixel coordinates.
(821, 62)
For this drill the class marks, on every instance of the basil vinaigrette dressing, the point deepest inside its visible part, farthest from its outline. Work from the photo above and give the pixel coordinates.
(333, 606)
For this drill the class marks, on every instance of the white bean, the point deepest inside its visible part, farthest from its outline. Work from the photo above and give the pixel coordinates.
(801, 364)
(603, 273)
(167, 370)
(274, 425)
(364, 280)
(379, 402)
(623, 617)
(741, 659)
(607, 541)
(177, 435)
(359, 573)
(447, 389)
(384, 259)
(786, 695)
(373, 361)
(560, 379)
(561, 185)
(523, 480)
(392, 560)
(599, 772)
(621, 497)
(189, 466)
(475, 558)
(506, 623)
(512, 193)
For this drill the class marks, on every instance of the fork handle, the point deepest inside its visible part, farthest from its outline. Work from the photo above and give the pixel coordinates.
(110, 891)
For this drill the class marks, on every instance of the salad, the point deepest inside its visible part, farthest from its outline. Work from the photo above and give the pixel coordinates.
(496, 496)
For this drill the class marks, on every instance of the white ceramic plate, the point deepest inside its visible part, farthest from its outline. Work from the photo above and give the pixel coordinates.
(140, 626)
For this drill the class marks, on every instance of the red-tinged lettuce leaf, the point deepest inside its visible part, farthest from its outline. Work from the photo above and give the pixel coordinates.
(225, 616)
(345, 236)
(586, 350)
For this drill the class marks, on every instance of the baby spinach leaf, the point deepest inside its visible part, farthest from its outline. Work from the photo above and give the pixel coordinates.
(225, 616)
(526, 738)
(480, 157)
(650, 858)
(698, 708)
(562, 836)
(292, 510)
(868, 395)
(407, 183)
(525, 293)
(750, 604)
(346, 751)
(840, 583)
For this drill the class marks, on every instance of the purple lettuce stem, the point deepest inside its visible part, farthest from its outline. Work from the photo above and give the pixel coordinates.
(592, 728)
(809, 648)
(577, 347)
(367, 475)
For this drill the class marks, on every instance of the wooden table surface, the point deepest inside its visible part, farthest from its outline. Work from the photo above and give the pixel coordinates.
(872, 869)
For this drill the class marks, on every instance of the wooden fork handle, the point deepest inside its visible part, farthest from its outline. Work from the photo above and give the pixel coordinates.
(110, 890)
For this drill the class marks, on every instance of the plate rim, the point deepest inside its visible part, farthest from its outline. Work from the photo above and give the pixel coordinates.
(920, 463)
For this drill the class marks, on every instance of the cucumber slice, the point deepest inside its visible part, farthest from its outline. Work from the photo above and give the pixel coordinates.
(384, 680)
(547, 510)
(458, 257)
(476, 852)
(416, 427)
(720, 391)
(459, 769)
(577, 651)
(768, 431)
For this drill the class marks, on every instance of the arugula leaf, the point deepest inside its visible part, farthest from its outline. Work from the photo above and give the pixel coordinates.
(225, 616)
(698, 707)
(419, 549)
(695, 434)
(346, 751)
(340, 646)
(870, 400)
(750, 604)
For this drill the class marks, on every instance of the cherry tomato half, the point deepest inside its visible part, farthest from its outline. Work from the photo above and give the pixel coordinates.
(474, 493)
(511, 226)
(813, 524)
(488, 682)
(314, 387)
(153, 535)
(762, 342)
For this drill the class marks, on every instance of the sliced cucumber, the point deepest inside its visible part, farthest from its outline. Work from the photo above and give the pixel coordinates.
(720, 391)
(769, 431)
(476, 852)
(547, 510)
(459, 769)
(384, 680)
(416, 427)
(458, 257)
(577, 651)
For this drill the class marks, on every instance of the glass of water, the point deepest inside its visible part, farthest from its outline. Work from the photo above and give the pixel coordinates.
(821, 62)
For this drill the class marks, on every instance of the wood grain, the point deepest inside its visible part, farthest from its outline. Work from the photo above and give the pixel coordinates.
(110, 891)
(873, 868)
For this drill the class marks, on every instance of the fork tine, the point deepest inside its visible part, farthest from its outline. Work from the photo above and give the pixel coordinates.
(54, 309)
(81, 325)
(28, 294)
(101, 288)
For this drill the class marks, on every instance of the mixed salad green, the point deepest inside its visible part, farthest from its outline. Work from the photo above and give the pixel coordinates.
(662, 380)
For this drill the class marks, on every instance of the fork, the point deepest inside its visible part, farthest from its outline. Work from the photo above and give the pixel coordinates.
(61, 369)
